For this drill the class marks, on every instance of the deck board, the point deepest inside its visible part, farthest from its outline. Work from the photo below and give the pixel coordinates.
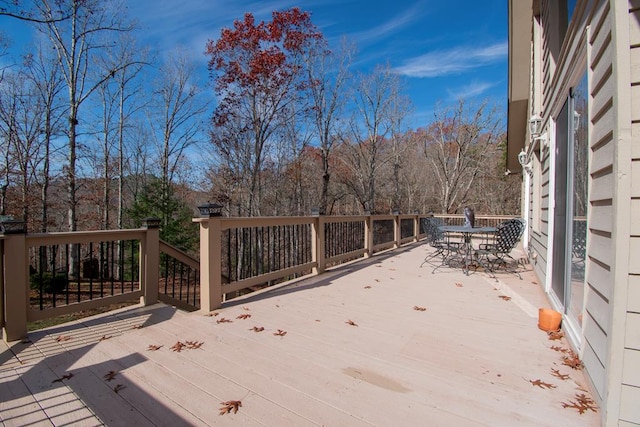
(467, 360)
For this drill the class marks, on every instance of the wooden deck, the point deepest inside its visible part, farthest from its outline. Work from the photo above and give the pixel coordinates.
(357, 351)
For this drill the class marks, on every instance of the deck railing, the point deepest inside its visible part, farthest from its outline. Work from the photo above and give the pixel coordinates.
(50, 274)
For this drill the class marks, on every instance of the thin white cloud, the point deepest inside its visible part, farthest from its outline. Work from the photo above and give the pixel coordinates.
(470, 90)
(453, 61)
(395, 24)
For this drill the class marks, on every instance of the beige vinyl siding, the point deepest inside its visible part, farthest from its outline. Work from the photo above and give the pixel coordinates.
(630, 387)
(600, 249)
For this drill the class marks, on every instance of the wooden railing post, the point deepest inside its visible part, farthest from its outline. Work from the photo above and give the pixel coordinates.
(210, 264)
(16, 281)
(397, 232)
(318, 244)
(150, 268)
(368, 236)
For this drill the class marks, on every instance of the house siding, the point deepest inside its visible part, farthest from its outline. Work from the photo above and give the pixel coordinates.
(602, 39)
(630, 388)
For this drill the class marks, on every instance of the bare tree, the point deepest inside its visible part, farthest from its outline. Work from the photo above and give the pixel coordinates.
(178, 117)
(46, 77)
(21, 113)
(329, 74)
(371, 125)
(78, 41)
(459, 144)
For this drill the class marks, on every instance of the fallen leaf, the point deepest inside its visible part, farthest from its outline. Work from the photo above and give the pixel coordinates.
(572, 360)
(541, 384)
(110, 376)
(243, 316)
(556, 335)
(230, 405)
(504, 297)
(559, 349)
(376, 280)
(62, 338)
(351, 322)
(104, 337)
(118, 387)
(458, 284)
(245, 308)
(211, 314)
(257, 329)
(583, 403)
(137, 326)
(367, 287)
(280, 333)
(153, 347)
(415, 307)
(224, 320)
(556, 373)
(177, 347)
(64, 377)
(193, 345)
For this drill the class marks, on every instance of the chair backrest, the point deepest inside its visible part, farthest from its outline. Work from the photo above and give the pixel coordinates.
(508, 234)
(432, 228)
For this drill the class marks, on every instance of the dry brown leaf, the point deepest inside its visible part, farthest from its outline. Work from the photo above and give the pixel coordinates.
(110, 376)
(417, 308)
(178, 347)
(351, 322)
(64, 377)
(559, 349)
(230, 405)
(138, 326)
(541, 384)
(104, 337)
(504, 297)
(118, 387)
(583, 403)
(556, 373)
(224, 320)
(458, 284)
(153, 347)
(62, 338)
(257, 329)
(367, 287)
(245, 308)
(193, 345)
(211, 314)
(556, 335)
(243, 316)
(280, 333)
(572, 360)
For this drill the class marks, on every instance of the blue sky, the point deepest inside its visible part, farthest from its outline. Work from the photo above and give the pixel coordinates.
(445, 50)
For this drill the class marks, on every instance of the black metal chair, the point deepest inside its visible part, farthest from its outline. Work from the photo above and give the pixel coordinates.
(444, 248)
(494, 255)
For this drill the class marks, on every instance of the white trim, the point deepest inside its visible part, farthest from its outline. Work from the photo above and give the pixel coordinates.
(552, 208)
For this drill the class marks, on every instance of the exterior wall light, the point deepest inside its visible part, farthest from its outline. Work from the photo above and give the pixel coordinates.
(522, 159)
(535, 125)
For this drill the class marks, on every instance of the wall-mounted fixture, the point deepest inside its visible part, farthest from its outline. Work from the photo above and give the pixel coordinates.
(522, 159)
(535, 126)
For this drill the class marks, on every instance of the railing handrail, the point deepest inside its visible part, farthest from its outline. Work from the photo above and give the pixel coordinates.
(179, 254)
(84, 236)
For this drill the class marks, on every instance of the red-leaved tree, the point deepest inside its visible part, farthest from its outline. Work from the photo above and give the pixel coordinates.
(260, 84)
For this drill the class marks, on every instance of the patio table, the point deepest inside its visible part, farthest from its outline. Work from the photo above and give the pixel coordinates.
(466, 249)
